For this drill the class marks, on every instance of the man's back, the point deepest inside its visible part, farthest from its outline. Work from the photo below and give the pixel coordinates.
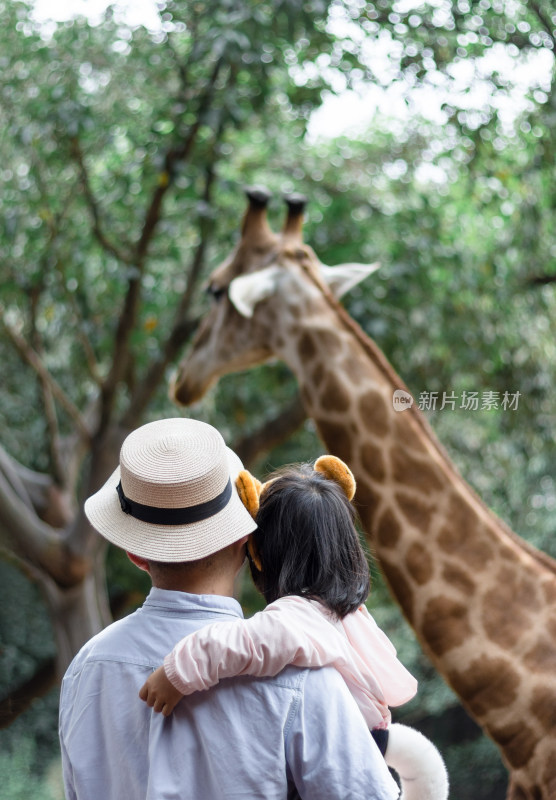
(246, 738)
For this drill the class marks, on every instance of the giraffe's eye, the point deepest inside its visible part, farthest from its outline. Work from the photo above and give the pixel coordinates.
(216, 292)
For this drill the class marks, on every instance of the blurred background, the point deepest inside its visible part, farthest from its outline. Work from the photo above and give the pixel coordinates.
(422, 133)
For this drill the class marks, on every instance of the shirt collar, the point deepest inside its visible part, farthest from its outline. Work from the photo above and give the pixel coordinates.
(186, 603)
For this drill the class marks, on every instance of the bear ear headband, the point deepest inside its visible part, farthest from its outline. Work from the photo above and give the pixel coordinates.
(250, 489)
(334, 469)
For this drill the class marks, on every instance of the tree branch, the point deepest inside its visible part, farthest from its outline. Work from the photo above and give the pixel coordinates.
(31, 357)
(31, 487)
(179, 335)
(182, 327)
(173, 157)
(22, 698)
(56, 461)
(128, 316)
(180, 66)
(38, 491)
(34, 541)
(542, 280)
(94, 209)
(88, 350)
(271, 433)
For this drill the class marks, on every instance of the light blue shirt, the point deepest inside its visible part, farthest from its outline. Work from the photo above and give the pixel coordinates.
(246, 738)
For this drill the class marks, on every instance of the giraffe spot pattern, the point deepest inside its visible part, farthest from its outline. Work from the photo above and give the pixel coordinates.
(458, 579)
(465, 543)
(373, 461)
(549, 590)
(414, 472)
(419, 563)
(542, 657)
(307, 395)
(510, 556)
(506, 609)
(354, 369)
(461, 512)
(518, 742)
(388, 529)
(519, 793)
(505, 621)
(406, 433)
(488, 683)
(477, 554)
(271, 315)
(416, 512)
(318, 375)
(374, 413)
(367, 500)
(335, 396)
(295, 311)
(306, 347)
(400, 587)
(549, 777)
(334, 436)
(445, 624)
(329, 343)
(543, 707)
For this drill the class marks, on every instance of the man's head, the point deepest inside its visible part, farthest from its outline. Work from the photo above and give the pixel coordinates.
(172, 500)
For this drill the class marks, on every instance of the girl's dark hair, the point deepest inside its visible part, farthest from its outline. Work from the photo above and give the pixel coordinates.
(307, 542)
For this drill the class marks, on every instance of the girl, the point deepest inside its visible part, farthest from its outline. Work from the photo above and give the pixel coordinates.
(306, 559)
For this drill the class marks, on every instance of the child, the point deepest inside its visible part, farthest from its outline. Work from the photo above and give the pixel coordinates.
(306, 559)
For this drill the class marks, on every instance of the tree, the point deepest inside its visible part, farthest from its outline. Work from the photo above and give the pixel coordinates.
(116, 144)
(124, 152)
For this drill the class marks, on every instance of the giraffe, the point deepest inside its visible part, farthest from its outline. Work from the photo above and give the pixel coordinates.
(481, 601)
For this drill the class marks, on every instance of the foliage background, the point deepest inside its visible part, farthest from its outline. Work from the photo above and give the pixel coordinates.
(457, 205)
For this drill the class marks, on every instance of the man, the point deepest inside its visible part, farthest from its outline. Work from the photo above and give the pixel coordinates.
(173, 507)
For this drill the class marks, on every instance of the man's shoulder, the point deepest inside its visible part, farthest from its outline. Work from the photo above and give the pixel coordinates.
(112, 642)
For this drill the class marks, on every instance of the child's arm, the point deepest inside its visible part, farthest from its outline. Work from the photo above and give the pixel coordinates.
(261, 646)
(159, 693)
(290, 631)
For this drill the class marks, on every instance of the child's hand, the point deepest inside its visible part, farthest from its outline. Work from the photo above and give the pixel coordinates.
(159, 693)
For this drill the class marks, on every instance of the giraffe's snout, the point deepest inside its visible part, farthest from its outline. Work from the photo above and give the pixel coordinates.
(185, 390)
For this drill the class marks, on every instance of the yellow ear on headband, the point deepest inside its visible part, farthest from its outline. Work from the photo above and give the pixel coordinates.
(335, 469)
(249, 488)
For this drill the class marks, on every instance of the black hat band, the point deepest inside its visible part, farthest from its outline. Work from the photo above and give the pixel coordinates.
(174, 516)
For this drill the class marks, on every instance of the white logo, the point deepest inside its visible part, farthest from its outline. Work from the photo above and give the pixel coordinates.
(401, 400)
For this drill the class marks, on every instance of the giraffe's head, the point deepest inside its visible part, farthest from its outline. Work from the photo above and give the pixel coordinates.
(268, 282)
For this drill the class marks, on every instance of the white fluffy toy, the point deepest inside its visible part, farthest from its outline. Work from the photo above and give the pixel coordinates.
(418, 763)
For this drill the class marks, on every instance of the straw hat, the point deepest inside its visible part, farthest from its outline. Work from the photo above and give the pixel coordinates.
(173, 497)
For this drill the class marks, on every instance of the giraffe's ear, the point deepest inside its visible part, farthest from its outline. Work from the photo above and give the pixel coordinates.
(344, 277)
(246, 291)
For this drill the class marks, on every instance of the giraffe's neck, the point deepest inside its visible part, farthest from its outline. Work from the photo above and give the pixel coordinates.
(480, 600)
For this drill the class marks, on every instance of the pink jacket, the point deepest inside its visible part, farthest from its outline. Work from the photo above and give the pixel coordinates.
(303, 633)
